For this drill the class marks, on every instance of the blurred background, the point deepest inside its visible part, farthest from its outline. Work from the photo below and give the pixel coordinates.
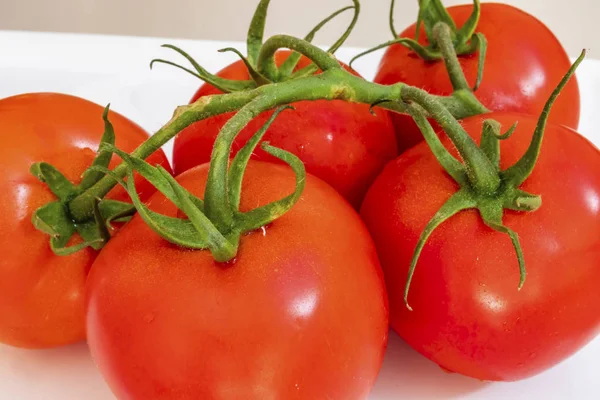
(573, 21)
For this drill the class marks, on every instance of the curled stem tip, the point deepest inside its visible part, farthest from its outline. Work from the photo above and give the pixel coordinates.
(342, 39)
(391, 19)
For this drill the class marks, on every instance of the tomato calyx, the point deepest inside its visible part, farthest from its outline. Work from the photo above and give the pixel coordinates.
(446, 44)
(483, 185)
(465, 41)
(260, 74)
(54, 218)
(203, 229)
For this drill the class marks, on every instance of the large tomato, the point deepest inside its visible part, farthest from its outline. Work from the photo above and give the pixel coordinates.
(524, 61)
(41, 294)
(339, 142)
(300, 314)
(468, 315)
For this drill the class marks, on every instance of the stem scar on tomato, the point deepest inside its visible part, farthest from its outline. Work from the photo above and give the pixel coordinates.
(483, 186)
(201, 230)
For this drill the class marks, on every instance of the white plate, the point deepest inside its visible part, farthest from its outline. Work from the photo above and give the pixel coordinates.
(115, 69)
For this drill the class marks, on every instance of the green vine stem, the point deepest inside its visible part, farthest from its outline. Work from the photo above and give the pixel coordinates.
(334, 83)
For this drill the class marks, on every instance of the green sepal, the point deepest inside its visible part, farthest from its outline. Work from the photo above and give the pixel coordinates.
(520, 171)
(176, 230)
(90, 177)
(433, 12)
(492, 217)
(254, 74)
(490, 140)
(288, 66)
(256, 31)
(93, 234)
(478, 43)
(240, 161)
(262, 216)
(62, 250)
(52, 219)
(466, 32)
(312, 68)
(430, 13)
(117, 211)
(461, 200)
(426, 53)
(224, 85)
(151, 174)
(54, 179)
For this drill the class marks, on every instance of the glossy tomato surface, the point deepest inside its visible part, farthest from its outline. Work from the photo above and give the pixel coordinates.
(524, 62)
(300, 314)
(339, 142)
(41, 294)
(468, 315)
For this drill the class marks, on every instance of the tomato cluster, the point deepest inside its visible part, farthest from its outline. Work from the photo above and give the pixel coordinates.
(243, 278)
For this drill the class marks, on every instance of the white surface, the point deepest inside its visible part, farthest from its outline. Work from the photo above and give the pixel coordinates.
(115, 69)
(573, 21)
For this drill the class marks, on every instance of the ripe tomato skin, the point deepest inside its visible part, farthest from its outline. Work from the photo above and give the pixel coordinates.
(468, 315)
(301, 313)
(41, 295)
(339, 142)
(524, 63)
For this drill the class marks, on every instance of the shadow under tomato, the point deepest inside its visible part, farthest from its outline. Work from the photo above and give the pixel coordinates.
(408, 375)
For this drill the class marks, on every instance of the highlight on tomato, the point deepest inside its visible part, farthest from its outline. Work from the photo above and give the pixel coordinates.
(56, 137)
(491, 266)
(268, 287)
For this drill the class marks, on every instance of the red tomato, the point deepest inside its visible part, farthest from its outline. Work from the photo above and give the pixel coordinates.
(300, 314)
(41, 294)
(339, 142)
(468, 315)
(524, 61)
